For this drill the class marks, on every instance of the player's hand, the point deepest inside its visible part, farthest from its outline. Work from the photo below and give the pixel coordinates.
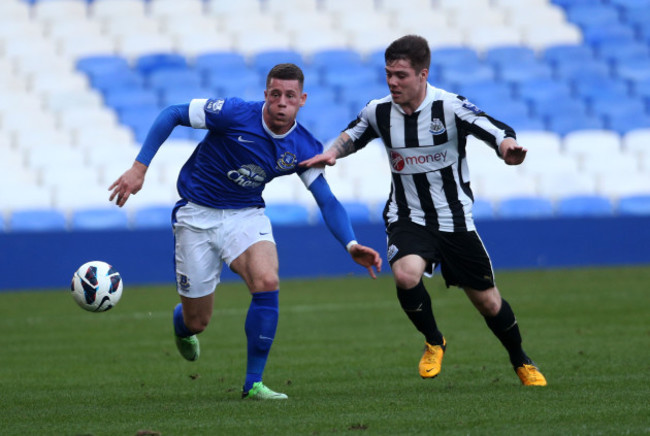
(512, 152)
(366, 256)
(128, 183)
(319, 161)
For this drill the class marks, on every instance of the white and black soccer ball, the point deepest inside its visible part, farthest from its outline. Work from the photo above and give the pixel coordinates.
(96, 286)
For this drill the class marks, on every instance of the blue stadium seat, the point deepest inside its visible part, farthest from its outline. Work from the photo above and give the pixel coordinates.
(357, 97)
(584, 206)
(537, 91)
(287, 213)
(459, 75)
(507, 110)
(525, 122)
(592, 88)
(619, 54)
(623, 123)
(636, 70)
(139, 120)
(497, 56)
(148, 63)
(37, 220)
(107, 81)
(486, 93)
(573, 72)
(608, 107)
(152, 217)
(263, 61)
(614, 33)
(641, 89)
(566, 107)
(563, 123)
(482, 209)
(560, 53)
(453, 56)
(102, 64)
(227, 82)
(184, 94)
(334, 58)
(168, 79)
(525, 207)
(121, 99)
(220, 60)
(516, 73)
(634, 205)
(593, 15)
(99, 219)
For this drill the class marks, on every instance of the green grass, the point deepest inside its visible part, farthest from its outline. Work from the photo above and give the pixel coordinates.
(346, 356)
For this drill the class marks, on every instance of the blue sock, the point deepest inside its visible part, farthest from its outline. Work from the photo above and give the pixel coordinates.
(261, 324)
(180, 328)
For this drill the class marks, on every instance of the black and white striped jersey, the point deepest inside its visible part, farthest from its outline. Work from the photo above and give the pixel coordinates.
(426, 153)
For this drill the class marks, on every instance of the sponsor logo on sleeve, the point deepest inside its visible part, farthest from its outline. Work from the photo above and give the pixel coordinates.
(214, 106)
(472, 107)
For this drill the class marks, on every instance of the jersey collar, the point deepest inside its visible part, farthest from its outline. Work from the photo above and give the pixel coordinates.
(270, 132)
(428, 98)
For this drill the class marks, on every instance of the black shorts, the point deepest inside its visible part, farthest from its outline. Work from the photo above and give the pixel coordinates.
(463, 260)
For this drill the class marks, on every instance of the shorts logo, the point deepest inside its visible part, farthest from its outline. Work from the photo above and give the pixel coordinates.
(214, 105)
(437, 127)
(248, 176)
(286, 162)
(397, 161)
(183, 283)
(392, 251)
(472, 107)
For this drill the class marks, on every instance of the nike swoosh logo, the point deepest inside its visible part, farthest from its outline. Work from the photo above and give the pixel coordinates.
(241, 139)
(264, 233)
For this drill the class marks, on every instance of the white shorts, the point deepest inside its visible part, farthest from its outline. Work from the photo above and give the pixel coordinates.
(204, 238)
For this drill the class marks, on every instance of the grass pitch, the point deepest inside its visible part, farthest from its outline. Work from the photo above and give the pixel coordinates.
(345, 354)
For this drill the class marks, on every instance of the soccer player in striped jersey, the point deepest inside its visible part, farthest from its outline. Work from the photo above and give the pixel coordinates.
(428, 214)
(220, 217)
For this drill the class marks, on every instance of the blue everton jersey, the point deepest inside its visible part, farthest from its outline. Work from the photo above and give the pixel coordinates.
(239, 154)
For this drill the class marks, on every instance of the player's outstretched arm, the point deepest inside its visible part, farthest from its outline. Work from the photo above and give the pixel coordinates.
(341, 147)
(512, 152)
(128, 183)
(367, 257)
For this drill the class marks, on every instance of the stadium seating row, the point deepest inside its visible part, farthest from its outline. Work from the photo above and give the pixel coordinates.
(35, 220)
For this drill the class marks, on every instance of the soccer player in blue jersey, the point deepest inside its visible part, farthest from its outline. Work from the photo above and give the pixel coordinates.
(220, 217)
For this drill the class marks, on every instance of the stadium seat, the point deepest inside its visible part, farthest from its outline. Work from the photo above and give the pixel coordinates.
(148, 63)
(560, 53)
(560, 182)
(637, 142)
(227, 60)
(626, 122)
(99, 219)
(600, 142)
(517, 73)
(598, 34)
(457, 76)
(263, 61)
(165, 79)
(152, 217)
(499, 55)
(525, 207)
(37, 220)
(584, 206)
(595, 14)
(99, 64)
(287, 213)
(563, 124)
(634, 205)
(482, 209)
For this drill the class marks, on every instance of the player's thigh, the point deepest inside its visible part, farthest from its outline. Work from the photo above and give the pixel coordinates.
(258, 266)
(197, 261)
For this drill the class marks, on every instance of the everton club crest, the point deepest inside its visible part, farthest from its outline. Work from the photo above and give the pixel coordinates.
(286, 162)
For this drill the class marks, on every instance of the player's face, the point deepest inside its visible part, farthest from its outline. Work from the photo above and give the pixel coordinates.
(283, 99)
(407, 87)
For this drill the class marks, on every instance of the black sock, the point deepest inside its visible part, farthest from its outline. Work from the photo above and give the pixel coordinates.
(504, 326)
(416, 303)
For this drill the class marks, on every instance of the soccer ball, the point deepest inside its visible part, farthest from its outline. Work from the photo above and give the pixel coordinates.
(96, 286)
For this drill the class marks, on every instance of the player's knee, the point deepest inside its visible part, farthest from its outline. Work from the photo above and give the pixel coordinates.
(405, 279)
(266, 283)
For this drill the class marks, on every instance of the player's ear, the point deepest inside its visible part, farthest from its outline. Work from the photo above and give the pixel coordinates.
(303, 99)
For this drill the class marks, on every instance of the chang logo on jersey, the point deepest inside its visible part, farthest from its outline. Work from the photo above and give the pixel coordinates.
(437, 127)
(286, 162)
(248, 176)
(214, 105)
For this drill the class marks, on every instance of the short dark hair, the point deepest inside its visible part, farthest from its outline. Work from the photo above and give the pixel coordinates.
(286, 72)
(412, 48)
